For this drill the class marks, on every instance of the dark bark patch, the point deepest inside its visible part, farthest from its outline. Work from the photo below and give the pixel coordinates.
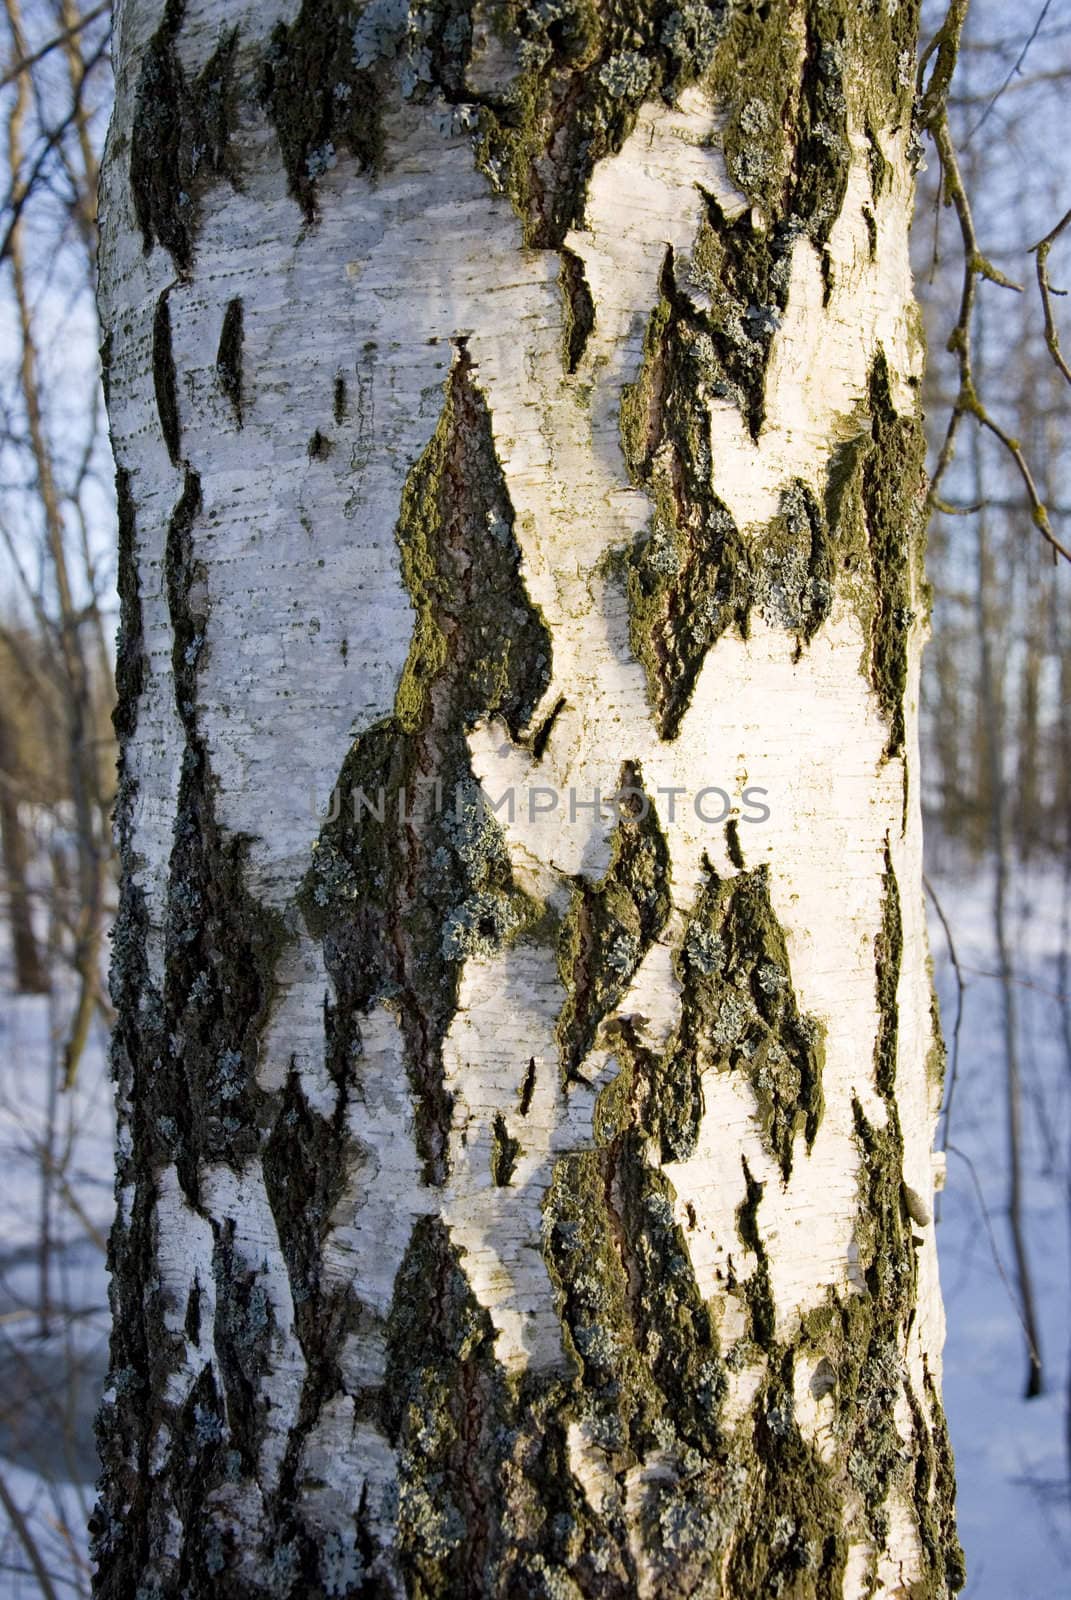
(318, 98)
(610, 925)
(221, 947)
(888, 954)
(181, 137)
(445, 1409)
(340, 399)
(578, 309)
(130, 644)
(229, 356)
(875, 503)
(165, 381)
(694, 576)
(504, 1152)
(893, 493)
(574, 80)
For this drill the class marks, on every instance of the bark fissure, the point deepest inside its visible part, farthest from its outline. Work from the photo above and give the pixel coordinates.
(229, 356)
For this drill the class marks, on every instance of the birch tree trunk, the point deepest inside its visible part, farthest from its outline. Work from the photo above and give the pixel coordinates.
(531, 1201)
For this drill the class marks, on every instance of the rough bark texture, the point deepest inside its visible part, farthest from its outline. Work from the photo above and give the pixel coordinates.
(531, 1202)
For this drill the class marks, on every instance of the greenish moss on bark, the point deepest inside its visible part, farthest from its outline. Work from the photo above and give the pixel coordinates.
(894, 492)
(180, 142)
(412, 877)
(875, 506)
(578, 74)
(687, 580)
(792, 79)
(888, 955)
(762, 1317)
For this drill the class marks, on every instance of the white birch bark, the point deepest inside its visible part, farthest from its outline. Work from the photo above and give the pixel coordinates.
(271, 1448)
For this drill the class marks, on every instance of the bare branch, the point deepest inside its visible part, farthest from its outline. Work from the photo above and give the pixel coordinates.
(68, 33)
(1041, 250)
(976, 266)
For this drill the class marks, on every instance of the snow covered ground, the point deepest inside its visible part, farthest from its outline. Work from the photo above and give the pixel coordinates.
(51, 1370)
(1011, 1453)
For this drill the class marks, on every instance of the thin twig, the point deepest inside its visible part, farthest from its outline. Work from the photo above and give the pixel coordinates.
(1024, 52)
(1023, 983)
(1052, 336)
(72, 32)
(27, 1541)
(976, 266)
(995, 1250)
(961, 991)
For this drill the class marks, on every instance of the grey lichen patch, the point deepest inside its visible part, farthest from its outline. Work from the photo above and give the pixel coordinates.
(791, 1539)
(490, 1501)
(229, 373)
(165, 382)
(180, 141)
(412, 878)
(737, 280)
(792, 566)
(578, 308)
(610, 925)
(739, 1013)
(935, 1495)
(318, 96)
(791, 83)
(241, 1337)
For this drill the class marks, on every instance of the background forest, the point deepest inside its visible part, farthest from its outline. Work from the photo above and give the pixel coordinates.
(996, 763)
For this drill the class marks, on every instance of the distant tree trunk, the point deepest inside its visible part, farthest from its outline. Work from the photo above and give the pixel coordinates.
(531, 1202)
(30, 974)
